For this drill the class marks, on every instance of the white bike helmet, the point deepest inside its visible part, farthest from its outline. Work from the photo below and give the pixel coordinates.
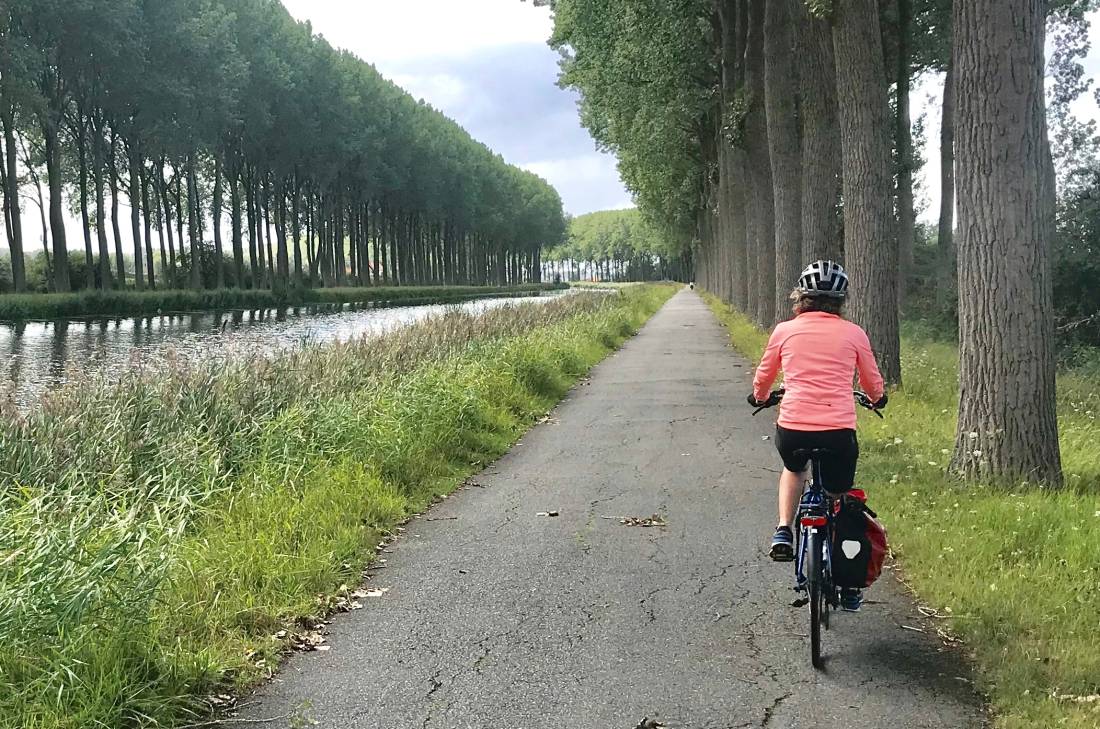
(824, 278)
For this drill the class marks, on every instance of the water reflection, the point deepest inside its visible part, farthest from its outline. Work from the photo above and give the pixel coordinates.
(41, 356)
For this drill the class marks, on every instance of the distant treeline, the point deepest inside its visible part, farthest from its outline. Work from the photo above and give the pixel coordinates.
(617, 245)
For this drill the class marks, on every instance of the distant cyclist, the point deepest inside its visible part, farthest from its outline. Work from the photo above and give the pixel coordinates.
(819, 352)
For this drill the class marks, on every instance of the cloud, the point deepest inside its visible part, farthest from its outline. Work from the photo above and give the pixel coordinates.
(584, 182)
(485, 64)
(383, 30)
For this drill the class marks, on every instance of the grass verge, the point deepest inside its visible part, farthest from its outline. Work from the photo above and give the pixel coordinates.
(1015, 574)
(170, 537)
(23, 307)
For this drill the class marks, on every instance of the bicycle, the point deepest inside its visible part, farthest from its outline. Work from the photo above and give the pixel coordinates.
(813, 561)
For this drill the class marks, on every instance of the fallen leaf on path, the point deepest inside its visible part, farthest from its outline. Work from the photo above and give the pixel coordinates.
(305, 642)
(648, 723)
(654, 521)
(377, 593)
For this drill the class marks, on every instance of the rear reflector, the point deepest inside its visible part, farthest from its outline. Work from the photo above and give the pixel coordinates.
(814, 521)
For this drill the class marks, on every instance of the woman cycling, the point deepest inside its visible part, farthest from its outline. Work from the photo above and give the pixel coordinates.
(818, 352)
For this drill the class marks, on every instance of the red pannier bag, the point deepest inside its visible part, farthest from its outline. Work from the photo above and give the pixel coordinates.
(859, 542)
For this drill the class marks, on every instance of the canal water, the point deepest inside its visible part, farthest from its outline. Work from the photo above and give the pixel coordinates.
(41, 356)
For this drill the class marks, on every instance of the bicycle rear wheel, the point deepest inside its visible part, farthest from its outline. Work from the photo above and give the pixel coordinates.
(815, 579)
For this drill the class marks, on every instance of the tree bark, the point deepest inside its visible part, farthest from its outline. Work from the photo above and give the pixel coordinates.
(870, 243)
(98, 163)
(904, 143)
(179, 209)
(112, 177)
(820, 151)
(85, 216)
(135, 217)
(784, 145)
(761, 218)
(11, 201)
(216, 214)
(280, 231)
(170, 262)
(296, 230)
(253, 226)
(193, 228)
(946, 280)
(50, 122)
(150, 267)
(731, 155)
(238, 236)
(1007, 427)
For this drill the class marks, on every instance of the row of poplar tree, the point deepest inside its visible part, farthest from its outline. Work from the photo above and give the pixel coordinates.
(617, 245)
(775, 132)
(250, 153)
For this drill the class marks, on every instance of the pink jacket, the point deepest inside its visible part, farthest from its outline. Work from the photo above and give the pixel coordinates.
(818, 353)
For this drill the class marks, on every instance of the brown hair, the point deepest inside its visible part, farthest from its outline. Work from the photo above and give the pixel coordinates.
(826, 304)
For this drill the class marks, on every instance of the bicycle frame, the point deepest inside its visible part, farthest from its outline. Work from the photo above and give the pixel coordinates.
(815, 514)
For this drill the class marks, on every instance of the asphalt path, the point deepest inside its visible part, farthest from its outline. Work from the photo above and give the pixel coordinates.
(500, 616)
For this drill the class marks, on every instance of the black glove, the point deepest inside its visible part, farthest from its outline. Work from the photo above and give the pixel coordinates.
(881, 402)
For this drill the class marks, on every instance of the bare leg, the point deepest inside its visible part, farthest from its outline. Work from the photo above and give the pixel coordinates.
(790, 493)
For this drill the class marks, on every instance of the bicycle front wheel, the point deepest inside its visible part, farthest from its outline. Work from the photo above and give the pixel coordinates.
(815, 578)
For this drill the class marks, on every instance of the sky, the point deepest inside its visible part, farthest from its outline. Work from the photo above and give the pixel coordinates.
(485, 64)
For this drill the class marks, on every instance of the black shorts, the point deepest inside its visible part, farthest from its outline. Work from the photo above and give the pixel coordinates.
(838, 471)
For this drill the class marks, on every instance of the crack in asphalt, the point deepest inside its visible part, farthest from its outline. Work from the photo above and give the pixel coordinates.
(769, 711)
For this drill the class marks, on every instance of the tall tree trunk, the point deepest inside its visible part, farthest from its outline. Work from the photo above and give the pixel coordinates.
(785, 146)
(179, 209)
(732, 154)
(85, 216)
(761, 230)
(11, 201)
(57, 217)
(266, 197)
(112, 177)
(238, 235)
(870, 244)
(338, 244)
(216, 210)
(946, 231)
(135, 216)
(296, 230)
(254, 247)
(1007, 427)
(261, 255)
(98, 164)
(4, 193)
(148, 215)
(820, 151)
(170, 262)
(193, 228)
(904, 143)
(280, 229)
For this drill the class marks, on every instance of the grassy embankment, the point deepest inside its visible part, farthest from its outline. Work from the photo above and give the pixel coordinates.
(157, 537)
(1012, 571)
(18, 307)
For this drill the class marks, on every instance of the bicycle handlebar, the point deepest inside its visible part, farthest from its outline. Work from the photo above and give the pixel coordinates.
(777, 396)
